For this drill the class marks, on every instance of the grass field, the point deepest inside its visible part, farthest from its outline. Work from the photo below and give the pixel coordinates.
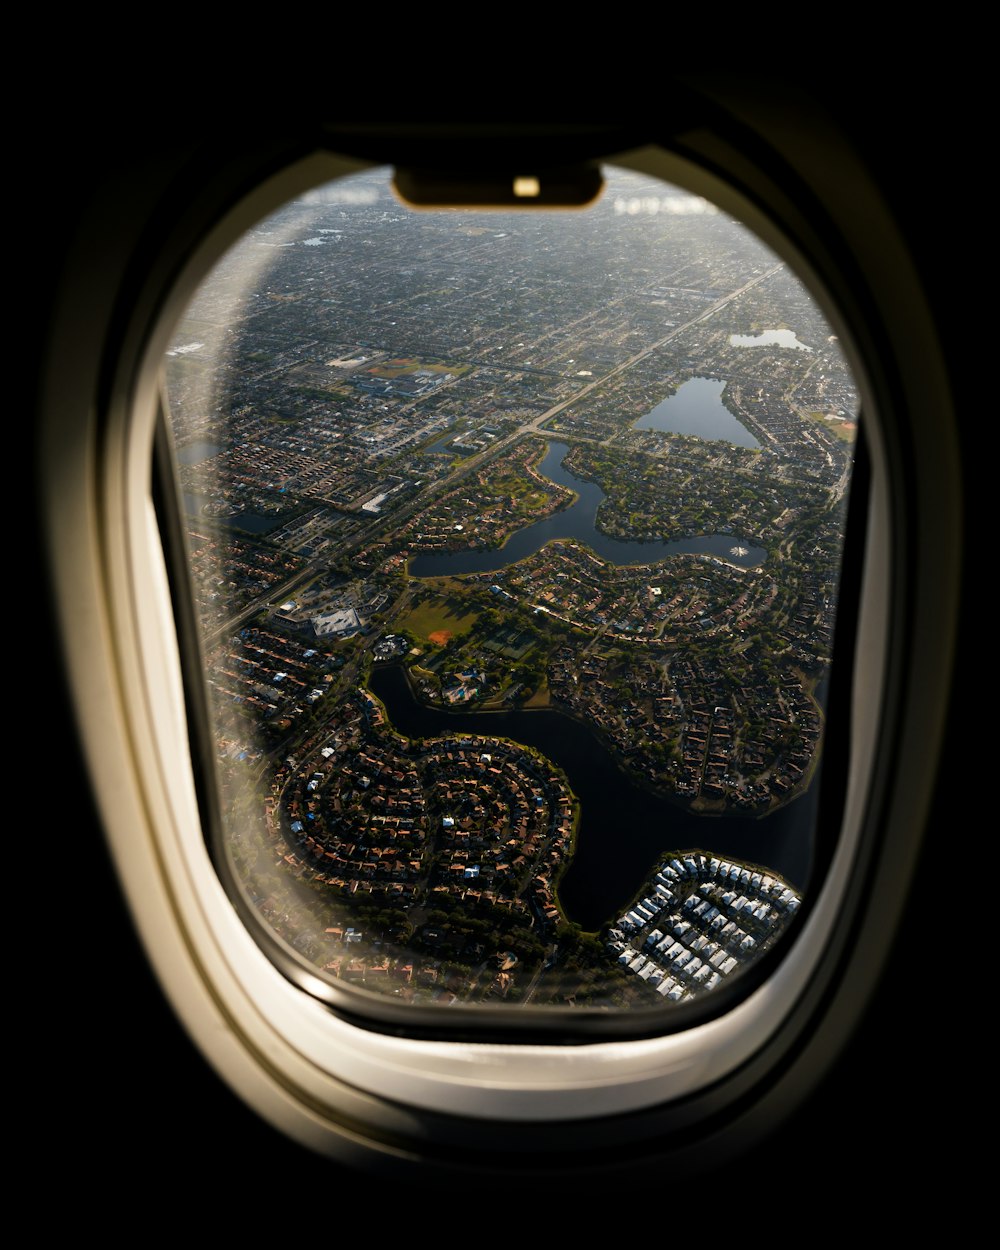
(844, 430)
(438, 620)
(541, 697)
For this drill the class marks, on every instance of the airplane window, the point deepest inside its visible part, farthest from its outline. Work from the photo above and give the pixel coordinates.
(515, 544)
(422, 1018)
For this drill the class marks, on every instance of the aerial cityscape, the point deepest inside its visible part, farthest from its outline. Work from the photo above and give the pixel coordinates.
(516, 544)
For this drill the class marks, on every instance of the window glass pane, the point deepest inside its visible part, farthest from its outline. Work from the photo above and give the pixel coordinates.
(516, 542)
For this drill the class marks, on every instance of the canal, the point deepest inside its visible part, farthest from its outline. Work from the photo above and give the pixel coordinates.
(579, 521)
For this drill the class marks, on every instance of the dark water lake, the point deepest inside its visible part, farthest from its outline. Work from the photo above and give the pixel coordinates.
(579, 521)
(625, 830)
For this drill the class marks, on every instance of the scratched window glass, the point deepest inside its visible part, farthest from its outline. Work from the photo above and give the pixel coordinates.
(515, 539)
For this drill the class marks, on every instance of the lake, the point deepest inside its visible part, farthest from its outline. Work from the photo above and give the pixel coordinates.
(625, 829)
(696, 407)
(249, 522)
(769, 338)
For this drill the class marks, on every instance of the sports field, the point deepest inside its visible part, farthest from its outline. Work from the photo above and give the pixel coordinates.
(437, 620)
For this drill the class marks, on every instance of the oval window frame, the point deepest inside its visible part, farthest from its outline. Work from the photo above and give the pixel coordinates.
(192, 939)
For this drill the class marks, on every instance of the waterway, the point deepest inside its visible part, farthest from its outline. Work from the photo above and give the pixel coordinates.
(579, 521)
(625, 830)
(696, 407)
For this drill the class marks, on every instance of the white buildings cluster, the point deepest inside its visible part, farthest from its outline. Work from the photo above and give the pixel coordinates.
(702, 920)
